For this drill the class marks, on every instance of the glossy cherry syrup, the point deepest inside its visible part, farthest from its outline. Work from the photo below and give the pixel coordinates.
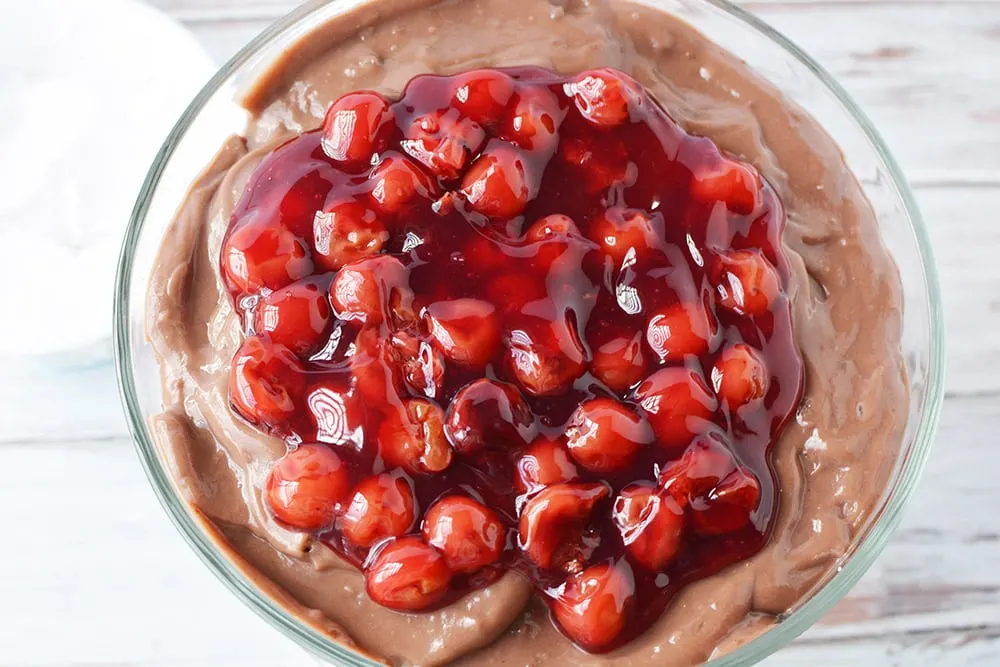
(517, 320)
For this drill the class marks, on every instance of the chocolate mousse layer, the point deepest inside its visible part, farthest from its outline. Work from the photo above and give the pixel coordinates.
(832, 462)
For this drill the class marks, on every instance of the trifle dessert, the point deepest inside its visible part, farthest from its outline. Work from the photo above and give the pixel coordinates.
(527, 333)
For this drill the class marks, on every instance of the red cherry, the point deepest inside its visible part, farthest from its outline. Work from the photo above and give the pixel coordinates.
(297, 316)
(408, 575)
(552, 524)
(412, 437)
(546, 462)
(748, 284)
(595, 605)
(728, 507)
(467, 331)
(735, 183)
(266, 383)
(705, 462)
(651, 525)
(357, 125)
(739, 376)
(398, 181)
(626, 232)
(546, 363)
(381, 506)
(257, 255)
(497, 184)
(605, 97)
(470, 320)
(369, 289)
(604, 436)
(422, 366)
(676, 401)
(534, 120)
(375, 377)
(306, 485)
(346, 232)
(680, 329)
(297, 196)
(482, 95)
(470, 535)
(444, 142)
(488, 414)
(552, 236)
(619, 362)
(720, 494)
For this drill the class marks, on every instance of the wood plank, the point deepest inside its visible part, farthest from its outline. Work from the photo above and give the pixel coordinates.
(922, 76)
(973, 647)
(115, 568)
(942, 567)
(93, 556)
(966, 243)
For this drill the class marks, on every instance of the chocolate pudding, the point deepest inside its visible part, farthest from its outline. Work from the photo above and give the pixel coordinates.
(834, 445)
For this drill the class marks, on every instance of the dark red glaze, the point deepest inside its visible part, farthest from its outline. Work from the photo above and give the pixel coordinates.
(540, 327)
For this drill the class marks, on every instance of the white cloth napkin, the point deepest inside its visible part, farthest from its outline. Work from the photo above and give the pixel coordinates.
(89, 92)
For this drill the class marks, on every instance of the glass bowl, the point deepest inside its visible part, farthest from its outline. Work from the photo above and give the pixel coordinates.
(214, 115)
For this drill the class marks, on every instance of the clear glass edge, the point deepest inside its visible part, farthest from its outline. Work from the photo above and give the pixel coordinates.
(851, 570)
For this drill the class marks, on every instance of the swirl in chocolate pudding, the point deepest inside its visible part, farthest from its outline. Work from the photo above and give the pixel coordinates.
(830, 464)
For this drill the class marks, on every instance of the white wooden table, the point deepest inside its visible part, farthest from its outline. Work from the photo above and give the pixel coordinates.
(92, 573)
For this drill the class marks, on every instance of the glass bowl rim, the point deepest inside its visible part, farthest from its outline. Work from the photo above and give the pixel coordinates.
(828, 593)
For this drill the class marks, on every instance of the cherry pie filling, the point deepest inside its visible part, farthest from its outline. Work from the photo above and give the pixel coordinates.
(516, 320)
